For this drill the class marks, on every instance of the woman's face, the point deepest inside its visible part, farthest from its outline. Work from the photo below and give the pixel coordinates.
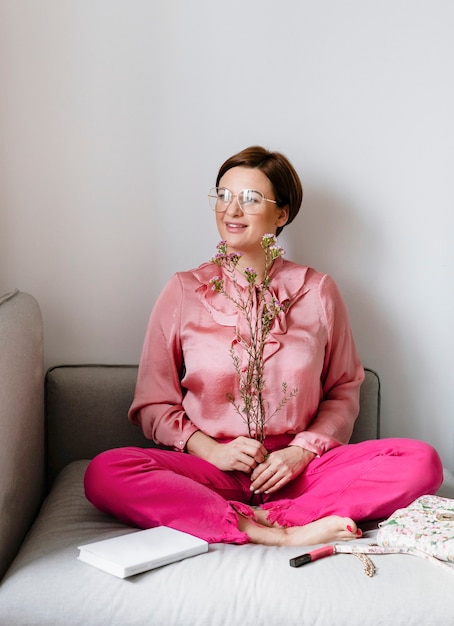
(243, 232)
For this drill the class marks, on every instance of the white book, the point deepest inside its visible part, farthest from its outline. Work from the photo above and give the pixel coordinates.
(140, 551)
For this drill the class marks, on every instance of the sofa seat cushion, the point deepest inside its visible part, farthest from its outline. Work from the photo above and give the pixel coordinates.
(228, 585)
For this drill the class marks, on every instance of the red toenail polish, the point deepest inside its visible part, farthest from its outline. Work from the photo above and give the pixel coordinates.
(350, 529)
(359, 532)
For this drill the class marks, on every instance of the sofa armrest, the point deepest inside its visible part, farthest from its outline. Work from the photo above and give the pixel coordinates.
(21, 420)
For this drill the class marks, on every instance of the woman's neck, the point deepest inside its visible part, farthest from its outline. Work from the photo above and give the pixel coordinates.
(255, 262)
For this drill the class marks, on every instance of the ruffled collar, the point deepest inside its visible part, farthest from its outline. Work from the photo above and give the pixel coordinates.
(287, 284)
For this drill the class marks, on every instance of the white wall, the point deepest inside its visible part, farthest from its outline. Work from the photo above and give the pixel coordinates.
(116, 115)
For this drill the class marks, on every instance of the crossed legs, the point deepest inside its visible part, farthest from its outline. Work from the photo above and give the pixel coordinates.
(150, 487)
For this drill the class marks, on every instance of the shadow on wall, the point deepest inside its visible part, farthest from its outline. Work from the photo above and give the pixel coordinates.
(5, 281)
(333, 237)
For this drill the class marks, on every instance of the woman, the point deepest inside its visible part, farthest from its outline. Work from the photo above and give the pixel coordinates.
(301, 484)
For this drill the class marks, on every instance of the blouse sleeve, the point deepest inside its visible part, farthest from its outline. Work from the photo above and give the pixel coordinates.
(157, 405)
(341, 378)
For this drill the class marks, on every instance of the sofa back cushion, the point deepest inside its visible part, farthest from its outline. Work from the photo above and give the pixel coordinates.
(87, 406)
(86, 412)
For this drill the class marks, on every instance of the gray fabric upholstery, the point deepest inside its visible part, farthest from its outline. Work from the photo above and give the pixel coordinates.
(21, 419)
(86, 412)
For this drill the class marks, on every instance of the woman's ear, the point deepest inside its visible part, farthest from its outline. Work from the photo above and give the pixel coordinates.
(282, 216)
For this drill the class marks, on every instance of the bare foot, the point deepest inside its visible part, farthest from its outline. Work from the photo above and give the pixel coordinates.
(325, 530)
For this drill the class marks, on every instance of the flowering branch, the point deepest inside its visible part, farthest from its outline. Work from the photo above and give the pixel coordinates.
(253, 408)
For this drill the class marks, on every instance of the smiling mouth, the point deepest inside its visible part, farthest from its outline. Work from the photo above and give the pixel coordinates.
(235, 226)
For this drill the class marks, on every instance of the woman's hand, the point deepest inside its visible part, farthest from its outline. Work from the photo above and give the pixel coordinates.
(279, 468)
(242, 454)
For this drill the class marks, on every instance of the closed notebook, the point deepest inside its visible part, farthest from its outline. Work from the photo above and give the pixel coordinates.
(140, 551)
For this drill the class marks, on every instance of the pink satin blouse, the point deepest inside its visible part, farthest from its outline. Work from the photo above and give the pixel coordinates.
(186, 370)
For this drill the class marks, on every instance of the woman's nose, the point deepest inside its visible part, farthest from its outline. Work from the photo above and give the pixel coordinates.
(234, 207)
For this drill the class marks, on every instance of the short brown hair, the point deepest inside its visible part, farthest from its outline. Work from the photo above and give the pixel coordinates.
(278, 169)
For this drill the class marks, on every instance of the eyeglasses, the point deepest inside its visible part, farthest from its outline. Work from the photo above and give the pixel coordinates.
(249, 200)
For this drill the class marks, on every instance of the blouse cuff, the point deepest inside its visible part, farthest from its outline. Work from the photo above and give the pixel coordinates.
(314, 442)
(179, 444)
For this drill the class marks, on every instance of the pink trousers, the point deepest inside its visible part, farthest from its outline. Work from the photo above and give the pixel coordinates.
(148, 487)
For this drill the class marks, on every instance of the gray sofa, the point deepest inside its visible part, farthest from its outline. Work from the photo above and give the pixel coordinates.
(50, 426)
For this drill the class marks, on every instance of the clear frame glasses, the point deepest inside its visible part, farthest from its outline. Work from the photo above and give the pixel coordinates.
(249, 200)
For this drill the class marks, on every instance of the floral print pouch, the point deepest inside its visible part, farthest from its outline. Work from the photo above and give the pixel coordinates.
(426, 525)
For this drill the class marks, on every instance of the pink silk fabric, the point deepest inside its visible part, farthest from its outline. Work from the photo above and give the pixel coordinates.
(186, 370)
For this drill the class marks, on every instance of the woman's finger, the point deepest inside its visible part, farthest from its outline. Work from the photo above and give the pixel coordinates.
(266, 479)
